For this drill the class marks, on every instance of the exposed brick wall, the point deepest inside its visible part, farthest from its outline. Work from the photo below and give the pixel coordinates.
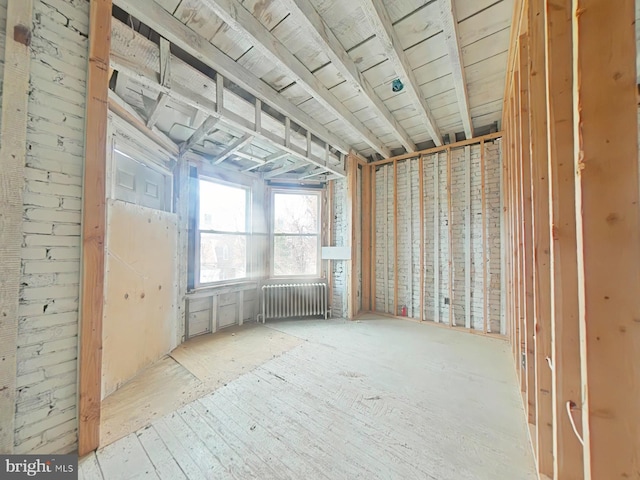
(408, 221)
(48, 324)
(339, 227)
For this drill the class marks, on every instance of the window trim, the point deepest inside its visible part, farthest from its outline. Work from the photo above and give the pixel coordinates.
(272, 234)
(198, 284)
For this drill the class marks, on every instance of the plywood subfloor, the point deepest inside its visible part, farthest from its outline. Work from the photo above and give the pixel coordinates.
(377, 398)
(194, 369)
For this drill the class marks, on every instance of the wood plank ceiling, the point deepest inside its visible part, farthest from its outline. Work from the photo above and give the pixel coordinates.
(328, 67)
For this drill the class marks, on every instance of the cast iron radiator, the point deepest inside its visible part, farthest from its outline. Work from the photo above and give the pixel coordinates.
(294, 300)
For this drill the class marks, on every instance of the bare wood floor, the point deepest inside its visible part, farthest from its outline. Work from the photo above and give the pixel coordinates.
(377, 398)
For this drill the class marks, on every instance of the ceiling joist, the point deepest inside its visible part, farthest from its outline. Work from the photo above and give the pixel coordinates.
(142, 69)
(452, 39)
(233, 148)
(203, 130)
(383, 29)
(241, 20)
(154, 16)
(285, 169)
(311, 22)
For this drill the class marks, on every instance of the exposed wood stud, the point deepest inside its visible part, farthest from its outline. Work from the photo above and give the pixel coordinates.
(13, 141)
(366, 238)
(410, 241)
(94, 228)
(565, 330)
(386, 239)
(527, 238)
(608, 234)
(467, 238)
(436, 238)
(421, 209)
(374, 236)
(450, 237)
(540, 233)
(395, 238)
(351, 209)
(483, 200)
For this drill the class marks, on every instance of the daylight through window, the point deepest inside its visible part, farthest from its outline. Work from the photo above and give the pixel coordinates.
(296, 233)
(223, 232)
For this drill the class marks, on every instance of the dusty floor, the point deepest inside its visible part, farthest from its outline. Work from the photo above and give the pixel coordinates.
(377, 398)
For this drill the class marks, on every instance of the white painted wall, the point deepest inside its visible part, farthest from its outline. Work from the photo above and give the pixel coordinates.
(48, 313)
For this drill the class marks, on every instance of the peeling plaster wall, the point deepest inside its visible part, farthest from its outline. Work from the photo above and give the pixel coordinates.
(48, 313)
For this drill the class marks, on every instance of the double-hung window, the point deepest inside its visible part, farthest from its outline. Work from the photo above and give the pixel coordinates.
(223, 231)
(296, 233)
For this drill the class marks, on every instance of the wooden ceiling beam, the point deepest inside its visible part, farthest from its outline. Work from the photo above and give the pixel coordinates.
(274, 157)
(382, 27)
(452, 40)
(311, 22)
(285, 169)
(142, 70)
(233, 148)
(157, 18)
(249, 27)
(203, 130)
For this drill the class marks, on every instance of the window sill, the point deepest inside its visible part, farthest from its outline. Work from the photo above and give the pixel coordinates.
(221, 288)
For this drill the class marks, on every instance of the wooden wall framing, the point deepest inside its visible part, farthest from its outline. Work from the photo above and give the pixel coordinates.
(572, 227)
(94, 227)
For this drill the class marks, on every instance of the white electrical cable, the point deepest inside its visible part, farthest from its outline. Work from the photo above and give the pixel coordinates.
(573, 424)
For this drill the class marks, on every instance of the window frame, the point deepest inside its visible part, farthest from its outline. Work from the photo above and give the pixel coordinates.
(272, 234)
(198, 284)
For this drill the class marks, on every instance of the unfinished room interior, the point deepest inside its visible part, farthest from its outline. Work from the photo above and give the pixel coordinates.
(321, 239)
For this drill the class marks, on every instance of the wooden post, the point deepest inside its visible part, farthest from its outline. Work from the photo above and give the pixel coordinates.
(539, 188)
(450, 236)
(386, 239)
(421, 208)
(410, 239)
(483, 201)
(366, 238)
(436, 238)
(13, 141)
(395, 238)
(352, 205)
(94, 227)
(373, 237)
(608, 234)
(565, 330)
(467, 237)
(331, 238)
(527, 238)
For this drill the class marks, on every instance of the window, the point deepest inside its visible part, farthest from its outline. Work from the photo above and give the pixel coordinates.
(222, 232)
(296, 233)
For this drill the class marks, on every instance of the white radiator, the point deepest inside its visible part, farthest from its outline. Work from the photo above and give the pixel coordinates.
(294, 300)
